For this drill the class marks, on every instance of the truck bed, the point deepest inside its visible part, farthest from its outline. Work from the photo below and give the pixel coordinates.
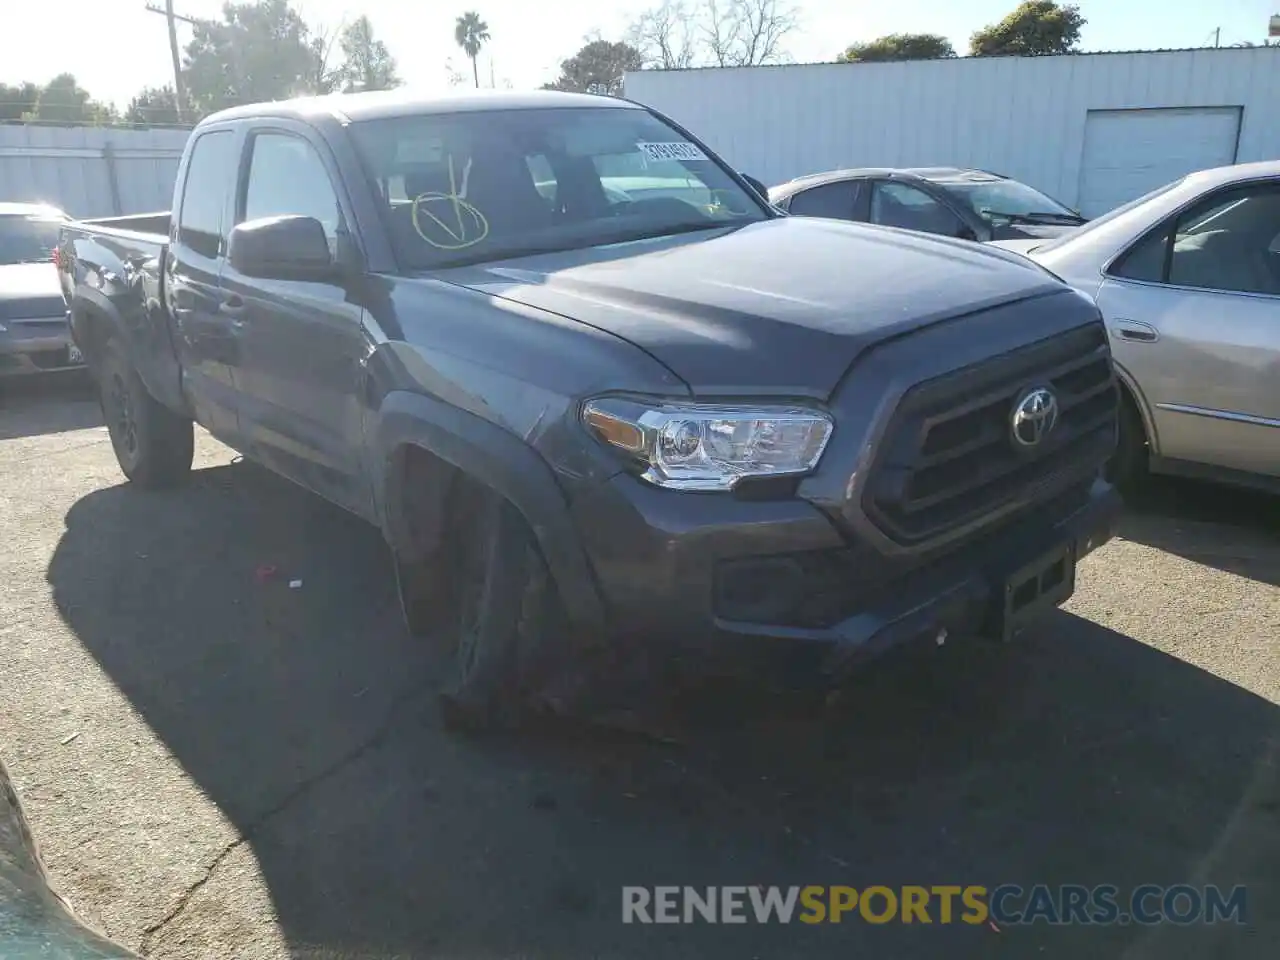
(156, 224)
(112, 277)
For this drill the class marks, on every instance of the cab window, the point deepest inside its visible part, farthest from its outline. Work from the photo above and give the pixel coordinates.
(287, 177)
(204, 194)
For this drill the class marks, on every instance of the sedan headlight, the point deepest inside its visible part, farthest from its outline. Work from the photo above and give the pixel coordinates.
(694, 446)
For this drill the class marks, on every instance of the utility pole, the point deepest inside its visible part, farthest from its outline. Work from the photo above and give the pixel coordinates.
(179, 88)
(1217, 36)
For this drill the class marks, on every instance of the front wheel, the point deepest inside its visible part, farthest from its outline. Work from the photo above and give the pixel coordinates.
(1127, 467)
(508, 616)
(153, 445)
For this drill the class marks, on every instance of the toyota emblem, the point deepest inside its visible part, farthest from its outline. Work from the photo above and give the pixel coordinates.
(1034, 417)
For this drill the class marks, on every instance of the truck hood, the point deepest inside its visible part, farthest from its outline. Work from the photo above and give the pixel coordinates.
(25, 281)
(783, 306)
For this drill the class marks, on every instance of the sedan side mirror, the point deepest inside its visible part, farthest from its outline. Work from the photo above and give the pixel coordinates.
(281, 248)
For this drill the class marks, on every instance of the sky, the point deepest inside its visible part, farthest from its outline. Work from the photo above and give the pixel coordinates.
(116, 47)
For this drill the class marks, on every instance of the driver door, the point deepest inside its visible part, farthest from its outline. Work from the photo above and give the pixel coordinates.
(303, 343)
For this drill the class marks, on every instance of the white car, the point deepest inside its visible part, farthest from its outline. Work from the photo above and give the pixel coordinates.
(1188, 279)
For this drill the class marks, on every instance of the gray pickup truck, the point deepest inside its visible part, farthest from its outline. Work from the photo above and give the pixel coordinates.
(597, 393)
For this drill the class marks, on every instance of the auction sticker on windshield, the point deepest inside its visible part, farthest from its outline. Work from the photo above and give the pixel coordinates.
(671, 151)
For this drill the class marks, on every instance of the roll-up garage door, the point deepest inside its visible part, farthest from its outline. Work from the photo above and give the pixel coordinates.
(1129, 152)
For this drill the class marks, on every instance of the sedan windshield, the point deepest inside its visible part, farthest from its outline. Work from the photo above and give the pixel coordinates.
(471, 187)
(996, 200)
(27, 239)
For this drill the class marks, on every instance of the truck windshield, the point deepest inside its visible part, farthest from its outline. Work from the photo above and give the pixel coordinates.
(478, 186)
(27, 239)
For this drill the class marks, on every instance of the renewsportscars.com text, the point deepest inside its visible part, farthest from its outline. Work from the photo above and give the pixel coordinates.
(1007, 904)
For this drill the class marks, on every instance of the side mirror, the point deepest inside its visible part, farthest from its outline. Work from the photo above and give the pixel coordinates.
(757, 186)
(281, 248)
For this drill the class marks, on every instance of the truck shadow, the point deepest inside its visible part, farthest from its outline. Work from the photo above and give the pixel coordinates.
(306, 714)
(1237, 531)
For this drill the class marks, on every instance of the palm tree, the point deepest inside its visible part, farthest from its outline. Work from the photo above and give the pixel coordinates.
(470, 33)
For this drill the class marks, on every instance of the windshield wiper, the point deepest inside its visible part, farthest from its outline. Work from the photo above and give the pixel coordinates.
(1064, 217)
(1037, 216)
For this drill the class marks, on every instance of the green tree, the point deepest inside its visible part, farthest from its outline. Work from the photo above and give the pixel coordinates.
(153, 105)
(899, 46)
(367, 64)
(471, 33)
(17, 100)
(259, 51)
(62, 100)
(598, 68)
(1035, 28)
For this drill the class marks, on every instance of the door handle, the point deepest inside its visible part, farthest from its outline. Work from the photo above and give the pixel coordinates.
(232, 307)
(1135, 330)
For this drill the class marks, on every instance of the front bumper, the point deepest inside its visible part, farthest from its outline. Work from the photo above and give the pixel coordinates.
(37, 346)
(661, 559)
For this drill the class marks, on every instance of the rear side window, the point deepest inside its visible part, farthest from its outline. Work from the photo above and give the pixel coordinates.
(1145, 259)
(204, 195)
(831, 200)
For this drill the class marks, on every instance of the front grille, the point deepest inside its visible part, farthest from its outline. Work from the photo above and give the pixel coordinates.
(24, 308)
(948, 458)
(820, 588)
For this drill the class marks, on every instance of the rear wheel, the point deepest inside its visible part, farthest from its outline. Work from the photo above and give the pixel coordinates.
(153, 445)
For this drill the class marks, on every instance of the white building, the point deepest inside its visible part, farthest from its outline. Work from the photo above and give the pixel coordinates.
(1092, 130)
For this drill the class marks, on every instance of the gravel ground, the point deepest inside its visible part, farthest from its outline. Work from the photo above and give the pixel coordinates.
(220, 767)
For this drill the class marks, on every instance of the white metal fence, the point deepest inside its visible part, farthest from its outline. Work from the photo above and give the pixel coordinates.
(90, 171)
(1027, 117)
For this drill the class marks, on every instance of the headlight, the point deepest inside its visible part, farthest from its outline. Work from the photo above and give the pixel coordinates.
(694, 446)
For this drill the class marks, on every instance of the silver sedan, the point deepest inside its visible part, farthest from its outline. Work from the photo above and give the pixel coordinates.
(1188, 279)
(34, 334)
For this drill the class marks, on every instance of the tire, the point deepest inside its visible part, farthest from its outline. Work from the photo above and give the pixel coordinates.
(153, 445)
(1127, 468)
(507, 615)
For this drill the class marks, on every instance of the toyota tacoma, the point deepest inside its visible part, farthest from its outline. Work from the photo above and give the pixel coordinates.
(598, 393)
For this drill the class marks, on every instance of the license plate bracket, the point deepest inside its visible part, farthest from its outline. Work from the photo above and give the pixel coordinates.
(1047, 581)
